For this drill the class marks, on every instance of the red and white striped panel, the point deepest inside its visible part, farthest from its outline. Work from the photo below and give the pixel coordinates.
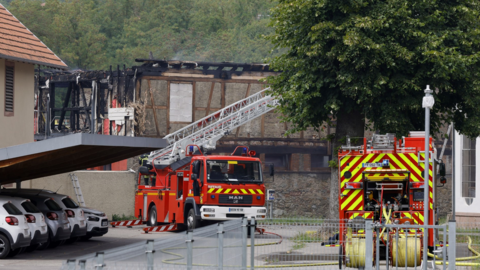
(163, 228)
(127, 223)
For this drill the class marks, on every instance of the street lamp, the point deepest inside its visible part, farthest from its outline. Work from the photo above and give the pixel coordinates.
(427, 103)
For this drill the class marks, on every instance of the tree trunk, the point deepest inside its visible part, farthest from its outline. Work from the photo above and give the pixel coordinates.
(348, 123)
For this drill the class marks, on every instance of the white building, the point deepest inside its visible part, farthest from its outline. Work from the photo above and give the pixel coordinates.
(467, 195)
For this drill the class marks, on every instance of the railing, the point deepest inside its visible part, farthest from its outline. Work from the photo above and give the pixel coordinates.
(297, 244)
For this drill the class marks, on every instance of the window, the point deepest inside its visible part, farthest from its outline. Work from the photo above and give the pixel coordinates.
(181, 100)
(468, 169)
(319, 161)
(9, 76)
(233, 171)
(30, 207)
(52, 205)
(69, 203)
(278, 160)
(12, 209)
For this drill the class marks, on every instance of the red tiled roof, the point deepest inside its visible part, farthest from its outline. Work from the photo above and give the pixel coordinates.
(18, 43)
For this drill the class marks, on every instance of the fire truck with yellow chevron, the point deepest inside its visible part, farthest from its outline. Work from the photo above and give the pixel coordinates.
(382, 179)
(186, 186)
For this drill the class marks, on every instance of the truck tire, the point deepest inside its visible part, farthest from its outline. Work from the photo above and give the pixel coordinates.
(191, 221)
(4, 246)
(152, 216)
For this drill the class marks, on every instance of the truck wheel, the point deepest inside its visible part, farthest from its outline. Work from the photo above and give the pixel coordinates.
(191, 221)
(4, 246)
(152, 216)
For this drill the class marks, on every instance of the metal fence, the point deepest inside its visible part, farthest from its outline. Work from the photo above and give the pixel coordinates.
(297, 244)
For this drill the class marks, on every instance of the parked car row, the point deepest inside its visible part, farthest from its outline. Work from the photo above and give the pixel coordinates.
(33, 219)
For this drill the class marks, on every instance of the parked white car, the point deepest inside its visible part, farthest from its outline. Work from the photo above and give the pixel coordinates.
(76, 217)
(97, 223)
(14, 230)
(35, 219)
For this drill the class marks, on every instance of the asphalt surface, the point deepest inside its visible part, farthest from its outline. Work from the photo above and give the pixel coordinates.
(53, 258)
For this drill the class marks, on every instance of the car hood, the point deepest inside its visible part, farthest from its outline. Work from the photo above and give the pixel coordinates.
(88, 210)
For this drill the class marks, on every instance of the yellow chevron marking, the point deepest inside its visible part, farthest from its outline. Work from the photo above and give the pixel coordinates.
(228, 190)
(252, 191)
(431, 195)
(355, 170)
(431, 206)
(139, 193)
(235, 192)
(211, 190)
(344, 160)
(244, 191)
(352, 195)
(354, 205)
(219, 190)
(259, 191)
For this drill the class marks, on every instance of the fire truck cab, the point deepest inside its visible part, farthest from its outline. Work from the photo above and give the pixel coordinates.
(201, 188)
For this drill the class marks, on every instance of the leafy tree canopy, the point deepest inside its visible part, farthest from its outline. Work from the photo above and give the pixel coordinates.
(368, 59)
(93, 34)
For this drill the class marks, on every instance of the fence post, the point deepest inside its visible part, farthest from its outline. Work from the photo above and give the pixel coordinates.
(368, 244)
(100, 256)
(189, 249)
(220, 233)
(83, 264)
(244, 243)
(252, 243)
(71, 264)
(149, 253)
(452, 244)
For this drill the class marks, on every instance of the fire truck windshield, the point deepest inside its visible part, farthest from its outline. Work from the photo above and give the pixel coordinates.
(233, 171)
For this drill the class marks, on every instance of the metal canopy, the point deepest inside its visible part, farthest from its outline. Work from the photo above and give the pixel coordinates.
(69, 153)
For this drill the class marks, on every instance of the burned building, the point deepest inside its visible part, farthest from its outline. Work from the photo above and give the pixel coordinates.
(158, 97)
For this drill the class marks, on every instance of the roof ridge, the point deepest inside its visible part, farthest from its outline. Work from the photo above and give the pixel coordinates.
(21, 32)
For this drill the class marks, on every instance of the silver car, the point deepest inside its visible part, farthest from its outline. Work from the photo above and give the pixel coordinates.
(35, 220)
(57, 221)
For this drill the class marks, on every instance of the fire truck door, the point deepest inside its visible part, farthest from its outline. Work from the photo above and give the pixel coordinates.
(180, 192)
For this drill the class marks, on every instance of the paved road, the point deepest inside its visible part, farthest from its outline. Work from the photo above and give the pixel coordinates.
(53, 258)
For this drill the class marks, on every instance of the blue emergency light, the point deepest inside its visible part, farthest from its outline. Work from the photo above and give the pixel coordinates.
(244, 150)
(258, 197)
(213, 196)
(191, 148)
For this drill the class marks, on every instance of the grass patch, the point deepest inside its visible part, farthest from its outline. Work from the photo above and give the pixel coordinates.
(302, 238)
(122, 217)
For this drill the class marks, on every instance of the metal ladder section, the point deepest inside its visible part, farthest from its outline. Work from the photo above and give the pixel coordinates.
(77, 189)
(208, 130)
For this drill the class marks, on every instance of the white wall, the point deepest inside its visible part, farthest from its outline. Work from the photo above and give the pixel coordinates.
(461, 205)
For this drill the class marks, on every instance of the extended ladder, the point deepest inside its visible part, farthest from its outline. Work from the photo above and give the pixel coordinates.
(208, 130)
(77, 189)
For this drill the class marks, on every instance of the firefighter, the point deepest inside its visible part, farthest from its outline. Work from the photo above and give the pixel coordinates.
(154, 179)
(142, 160)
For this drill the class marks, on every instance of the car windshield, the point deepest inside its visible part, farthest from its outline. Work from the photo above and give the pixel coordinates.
(69, 203)
(52, 205)
(30, 207)
(12, 209)
(233, 171)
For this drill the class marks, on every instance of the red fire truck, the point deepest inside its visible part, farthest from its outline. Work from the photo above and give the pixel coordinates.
(383, 180)
(192, 187)
(202, 188)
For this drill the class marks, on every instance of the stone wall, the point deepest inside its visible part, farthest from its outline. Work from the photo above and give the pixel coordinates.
(300, 194)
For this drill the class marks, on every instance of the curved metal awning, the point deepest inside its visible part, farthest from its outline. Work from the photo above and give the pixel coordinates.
(69, 153)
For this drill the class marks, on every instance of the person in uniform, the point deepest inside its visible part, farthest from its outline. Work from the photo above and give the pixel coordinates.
(142, 160)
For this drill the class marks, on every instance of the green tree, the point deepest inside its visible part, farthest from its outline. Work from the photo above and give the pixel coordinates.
(355, 60)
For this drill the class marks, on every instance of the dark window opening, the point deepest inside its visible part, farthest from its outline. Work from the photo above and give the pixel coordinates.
(9, 87)
(319, 161)
(52, 205)
(280, 161)
(12, 209)
(69, 203)
(30, 207)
